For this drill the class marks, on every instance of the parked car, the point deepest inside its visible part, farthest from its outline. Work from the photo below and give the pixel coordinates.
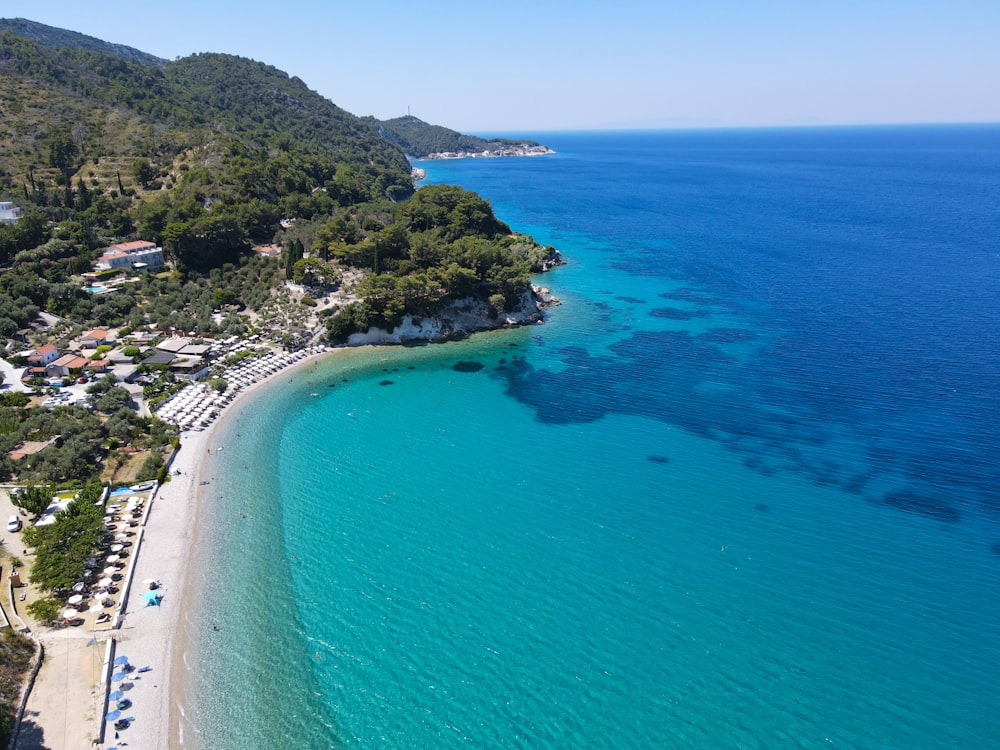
(13, 523)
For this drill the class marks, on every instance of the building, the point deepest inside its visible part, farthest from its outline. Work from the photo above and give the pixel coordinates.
(190, 368)
(9, 213)
(43, 355)
(137, 255)
(93, 339)
(66, 365)
(98, 366)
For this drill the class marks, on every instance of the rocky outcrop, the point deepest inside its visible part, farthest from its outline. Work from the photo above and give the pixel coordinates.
(457, 321)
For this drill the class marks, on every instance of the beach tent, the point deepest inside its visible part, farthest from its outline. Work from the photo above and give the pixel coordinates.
(152, 598)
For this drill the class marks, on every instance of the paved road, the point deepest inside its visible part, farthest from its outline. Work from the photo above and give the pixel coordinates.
(12, 377)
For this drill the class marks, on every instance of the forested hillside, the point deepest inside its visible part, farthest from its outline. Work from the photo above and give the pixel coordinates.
(207, 156)
(420, 139)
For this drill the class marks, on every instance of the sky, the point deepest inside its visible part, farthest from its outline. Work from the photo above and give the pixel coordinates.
(521, 66)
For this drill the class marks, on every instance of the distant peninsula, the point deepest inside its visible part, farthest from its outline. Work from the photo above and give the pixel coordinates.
(420, 140)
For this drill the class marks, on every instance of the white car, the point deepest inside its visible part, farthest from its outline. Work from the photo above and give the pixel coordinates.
(13, 523)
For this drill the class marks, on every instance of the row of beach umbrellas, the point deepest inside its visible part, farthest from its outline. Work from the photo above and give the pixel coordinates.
(196, 405)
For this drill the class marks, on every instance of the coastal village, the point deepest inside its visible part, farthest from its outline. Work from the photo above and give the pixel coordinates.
(185, 381)
(523, 149)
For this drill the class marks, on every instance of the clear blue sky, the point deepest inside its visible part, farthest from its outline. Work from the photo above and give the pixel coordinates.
(549, 65)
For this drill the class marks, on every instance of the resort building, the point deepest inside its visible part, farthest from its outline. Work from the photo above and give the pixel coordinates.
(9, 213)
(189, 368)
(138, 255)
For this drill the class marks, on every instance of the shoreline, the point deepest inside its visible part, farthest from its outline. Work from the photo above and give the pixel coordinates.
(171, 549)
(158, 637)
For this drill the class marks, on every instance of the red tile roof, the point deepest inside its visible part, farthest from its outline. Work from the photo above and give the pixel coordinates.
(129, 247)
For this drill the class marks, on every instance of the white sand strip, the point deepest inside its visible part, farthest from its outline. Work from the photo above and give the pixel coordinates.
(153, 636)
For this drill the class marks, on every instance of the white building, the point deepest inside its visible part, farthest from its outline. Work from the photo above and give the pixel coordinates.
(9, 213)
(137, 254)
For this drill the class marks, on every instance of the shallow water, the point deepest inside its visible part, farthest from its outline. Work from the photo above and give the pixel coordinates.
(739, 490)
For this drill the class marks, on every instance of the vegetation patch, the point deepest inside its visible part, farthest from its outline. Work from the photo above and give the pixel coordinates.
(16, 651)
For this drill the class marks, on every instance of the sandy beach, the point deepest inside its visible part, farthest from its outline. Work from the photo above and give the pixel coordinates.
(154, 636)
(69, 695)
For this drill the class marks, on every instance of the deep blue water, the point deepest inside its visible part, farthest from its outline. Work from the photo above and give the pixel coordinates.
(739, 490)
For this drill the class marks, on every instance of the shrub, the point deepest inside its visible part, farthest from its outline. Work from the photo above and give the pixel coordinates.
(44, 610)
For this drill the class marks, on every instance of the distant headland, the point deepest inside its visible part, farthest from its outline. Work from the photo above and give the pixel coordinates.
(421, 140)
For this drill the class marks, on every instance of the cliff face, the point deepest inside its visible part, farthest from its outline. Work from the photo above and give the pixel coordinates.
(457, 320)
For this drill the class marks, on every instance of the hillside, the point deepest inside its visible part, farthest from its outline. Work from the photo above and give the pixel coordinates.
(54, 38)
(208, 156)
(420, 139)
(198, 110)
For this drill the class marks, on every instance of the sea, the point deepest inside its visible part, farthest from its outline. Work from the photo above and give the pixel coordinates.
(739, 489)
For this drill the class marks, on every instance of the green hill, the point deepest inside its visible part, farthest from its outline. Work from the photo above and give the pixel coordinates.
(207, 156)
(419, 139)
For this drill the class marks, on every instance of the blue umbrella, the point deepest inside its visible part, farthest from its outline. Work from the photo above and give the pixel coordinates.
(121, 660)
(112, 715)
(116, 696)
(118, 676)
(151, 597)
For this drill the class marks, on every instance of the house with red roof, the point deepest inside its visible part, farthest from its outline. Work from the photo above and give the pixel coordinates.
(93, 339)
(68, 364)
(139, 255)
(43, 355)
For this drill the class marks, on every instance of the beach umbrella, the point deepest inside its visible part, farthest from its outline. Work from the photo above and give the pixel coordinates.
(111, 558)
(96, 607)
(70, 614)
(112, 715)
(118, 676)
(117, 695)
(75, 599)
(121, 660)
(110, 570)
(105, 582)
(151, 597)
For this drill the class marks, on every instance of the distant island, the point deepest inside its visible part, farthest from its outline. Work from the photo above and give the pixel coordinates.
(420, 140)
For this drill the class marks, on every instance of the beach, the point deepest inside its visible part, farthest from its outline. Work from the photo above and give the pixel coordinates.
(156, 636)
(70, 693)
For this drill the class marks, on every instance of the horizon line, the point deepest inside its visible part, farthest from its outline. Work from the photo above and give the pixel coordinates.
(689, 128)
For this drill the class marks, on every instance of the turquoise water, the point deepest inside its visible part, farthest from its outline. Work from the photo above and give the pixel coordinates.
(707, 504)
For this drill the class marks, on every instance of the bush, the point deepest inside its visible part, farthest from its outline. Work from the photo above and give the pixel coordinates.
(308, 302)
(45, 610)
(150, 468)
